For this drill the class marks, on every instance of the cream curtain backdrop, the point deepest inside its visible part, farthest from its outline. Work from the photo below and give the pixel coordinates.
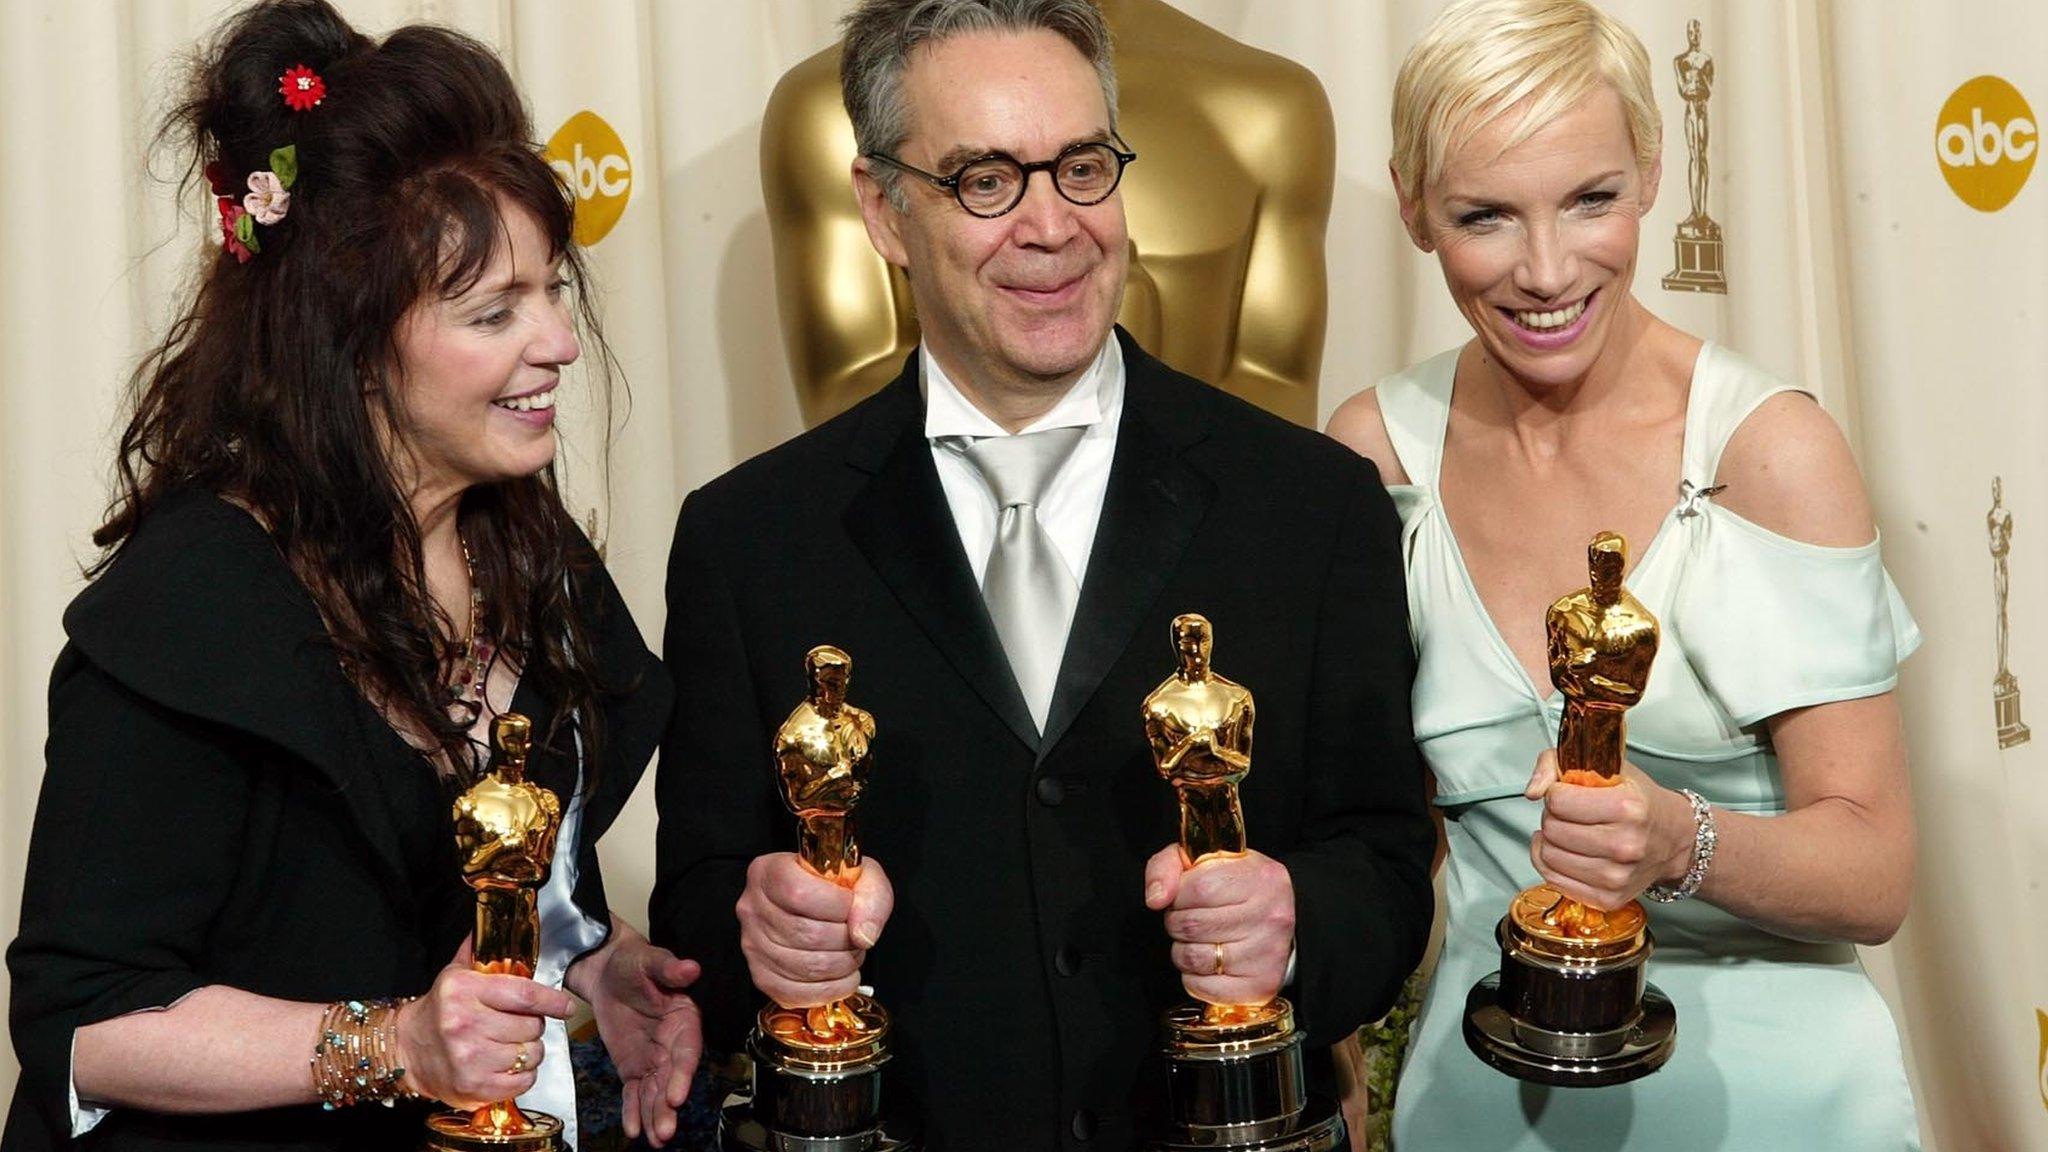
(1921, 321)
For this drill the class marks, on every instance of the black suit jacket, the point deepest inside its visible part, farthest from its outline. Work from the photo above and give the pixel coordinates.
(1024, 972)
(221, 806)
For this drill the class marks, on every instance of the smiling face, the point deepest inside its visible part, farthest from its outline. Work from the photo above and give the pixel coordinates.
(478, 371)
(1023, 302)
(1538, 242)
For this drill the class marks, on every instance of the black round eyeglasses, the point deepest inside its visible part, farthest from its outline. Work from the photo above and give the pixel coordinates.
(989, 186)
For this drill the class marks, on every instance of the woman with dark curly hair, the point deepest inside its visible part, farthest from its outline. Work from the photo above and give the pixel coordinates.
(336, 553)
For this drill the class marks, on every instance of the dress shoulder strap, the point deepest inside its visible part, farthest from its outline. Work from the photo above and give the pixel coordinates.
(1726, 388)
(1415, 404)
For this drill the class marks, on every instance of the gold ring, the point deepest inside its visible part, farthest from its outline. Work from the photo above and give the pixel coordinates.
(518, 1061)
(1219, 959)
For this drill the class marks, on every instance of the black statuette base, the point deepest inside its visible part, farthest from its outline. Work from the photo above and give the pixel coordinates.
(795, 1109)
(1245, 1097)
(1318, 1127)
(1567, 1060)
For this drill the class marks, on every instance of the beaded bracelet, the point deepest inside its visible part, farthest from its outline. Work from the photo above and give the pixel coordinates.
(1704, 838)
(355, 1059)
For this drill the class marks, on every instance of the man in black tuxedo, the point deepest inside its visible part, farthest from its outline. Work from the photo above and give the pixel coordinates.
(1000, 539)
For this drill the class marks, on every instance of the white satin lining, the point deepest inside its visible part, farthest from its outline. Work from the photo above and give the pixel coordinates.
(566, 932)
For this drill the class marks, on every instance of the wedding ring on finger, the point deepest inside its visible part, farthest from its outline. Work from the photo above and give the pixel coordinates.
(1218, 971)
(519, 1064)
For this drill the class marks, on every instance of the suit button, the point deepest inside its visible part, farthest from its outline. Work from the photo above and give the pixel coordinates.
(1050, 791)
(1083, 1126)
(1066, 960)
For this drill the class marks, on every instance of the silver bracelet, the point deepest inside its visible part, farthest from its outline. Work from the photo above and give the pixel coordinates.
(1704, 838)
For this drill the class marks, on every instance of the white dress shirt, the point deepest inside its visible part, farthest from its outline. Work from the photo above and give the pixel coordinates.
(1072, 504)
(566, 932)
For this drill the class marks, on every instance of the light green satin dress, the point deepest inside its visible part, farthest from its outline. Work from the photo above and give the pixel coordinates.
(1782, 1044)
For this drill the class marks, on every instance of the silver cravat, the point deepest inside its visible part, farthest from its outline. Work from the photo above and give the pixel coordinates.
(1028, 589)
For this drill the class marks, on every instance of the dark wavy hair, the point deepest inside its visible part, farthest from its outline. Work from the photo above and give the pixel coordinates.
(262, 388)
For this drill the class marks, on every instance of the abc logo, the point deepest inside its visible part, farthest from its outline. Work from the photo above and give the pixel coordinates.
(1986, 139)
(592, 161)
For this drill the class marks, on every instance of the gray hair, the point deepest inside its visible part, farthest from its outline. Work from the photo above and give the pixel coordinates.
(881, 34)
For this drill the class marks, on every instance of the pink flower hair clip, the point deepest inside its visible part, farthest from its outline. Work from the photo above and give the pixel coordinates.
(270, 191)
(268, 199)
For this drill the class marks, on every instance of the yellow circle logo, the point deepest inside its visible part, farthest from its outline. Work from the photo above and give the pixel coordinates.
(592, 160)
(1986, 139)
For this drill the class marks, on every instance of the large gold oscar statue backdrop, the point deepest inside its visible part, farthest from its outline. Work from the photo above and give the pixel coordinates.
(1228, 203)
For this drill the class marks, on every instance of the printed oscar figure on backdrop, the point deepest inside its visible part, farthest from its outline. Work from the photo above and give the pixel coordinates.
(1569, 1006)
(1700, 267)
(1227, 279)
(2005, 687)
(505, 828)
(1234, 1076)
(817, 1083)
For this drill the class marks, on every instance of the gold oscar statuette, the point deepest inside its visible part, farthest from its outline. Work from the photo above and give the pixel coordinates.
(1234, 1078)
(1569, 1006)
(1700, 265)
(817, 1083)
(505, 828)
(2005, 687)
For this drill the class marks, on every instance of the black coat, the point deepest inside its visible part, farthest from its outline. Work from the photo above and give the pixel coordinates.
(1024, 973)
(221, 806)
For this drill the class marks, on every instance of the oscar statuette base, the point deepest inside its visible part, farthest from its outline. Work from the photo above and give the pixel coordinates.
(739, 1131)
(1570, 1014)
(811, 1098)
(1698, 264)
(1240, 1087)
(453, 1132)
(2005, 704)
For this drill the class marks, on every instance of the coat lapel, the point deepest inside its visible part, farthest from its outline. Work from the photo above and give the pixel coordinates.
(350, 756)
(1154, 504)
(900, 521)
(259, 663)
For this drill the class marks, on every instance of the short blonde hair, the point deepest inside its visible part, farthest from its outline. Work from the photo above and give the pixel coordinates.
(1481, 58)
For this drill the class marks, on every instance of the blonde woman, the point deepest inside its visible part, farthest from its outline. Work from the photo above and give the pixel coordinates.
(1526, 144)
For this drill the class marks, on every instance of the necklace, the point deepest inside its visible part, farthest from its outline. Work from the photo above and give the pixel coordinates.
(466, 691)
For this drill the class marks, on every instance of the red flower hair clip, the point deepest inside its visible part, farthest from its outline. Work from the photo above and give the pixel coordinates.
(237, 230)
(301, 87)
